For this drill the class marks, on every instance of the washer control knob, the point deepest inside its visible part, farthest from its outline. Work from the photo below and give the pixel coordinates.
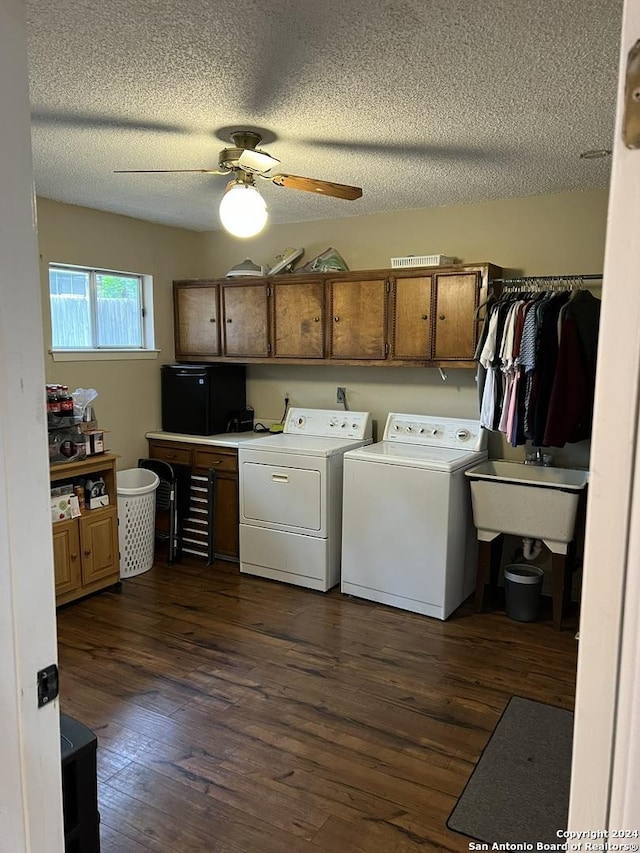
(421, 430)
(462, 434)
(434, 431)
(300, 421)
(409, 429)
(396, 428)
(343, 425)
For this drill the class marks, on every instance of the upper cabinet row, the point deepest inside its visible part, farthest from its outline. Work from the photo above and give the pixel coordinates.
(422, 316)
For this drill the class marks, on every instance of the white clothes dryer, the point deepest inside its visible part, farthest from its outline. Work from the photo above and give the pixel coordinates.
(291, 497)
(408, 538)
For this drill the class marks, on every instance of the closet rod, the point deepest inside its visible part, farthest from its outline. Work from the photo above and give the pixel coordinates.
(528, 278)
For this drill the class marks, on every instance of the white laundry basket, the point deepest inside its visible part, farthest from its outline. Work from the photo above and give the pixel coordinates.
(136, 489)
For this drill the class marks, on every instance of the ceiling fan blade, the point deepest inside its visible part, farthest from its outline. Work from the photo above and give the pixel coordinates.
(167, 171)
(311, 185)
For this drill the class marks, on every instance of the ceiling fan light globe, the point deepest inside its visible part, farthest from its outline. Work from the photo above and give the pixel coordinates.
(243, 211)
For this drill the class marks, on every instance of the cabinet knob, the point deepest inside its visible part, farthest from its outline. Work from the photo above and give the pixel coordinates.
(87, 553)
(228, 319)
(442, 317)
(74, 556)
(316, 319)
(212, 320)
(425, 317)
(336, 319)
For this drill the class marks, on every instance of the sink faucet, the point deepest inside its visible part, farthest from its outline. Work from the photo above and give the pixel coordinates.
(537, 457)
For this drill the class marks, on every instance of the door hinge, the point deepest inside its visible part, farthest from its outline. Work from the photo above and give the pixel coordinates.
(631, 117)
(268, 291)
(386, 349)
(144, 312)
(388, 283)
(48, 684)
(269, 348)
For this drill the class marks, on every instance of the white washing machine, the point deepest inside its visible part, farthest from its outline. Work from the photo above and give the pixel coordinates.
(291, 497)
(408, 538)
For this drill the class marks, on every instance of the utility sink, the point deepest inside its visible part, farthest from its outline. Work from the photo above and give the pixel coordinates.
(526, 500)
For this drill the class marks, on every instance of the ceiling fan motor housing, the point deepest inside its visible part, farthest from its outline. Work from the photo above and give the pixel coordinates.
(243, 140)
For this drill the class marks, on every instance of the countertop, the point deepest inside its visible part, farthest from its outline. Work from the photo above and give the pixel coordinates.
(222, 439)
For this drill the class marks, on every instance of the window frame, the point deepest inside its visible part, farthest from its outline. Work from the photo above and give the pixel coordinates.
(96, 351)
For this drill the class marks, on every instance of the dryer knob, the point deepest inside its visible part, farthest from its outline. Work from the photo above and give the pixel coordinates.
(462, 434)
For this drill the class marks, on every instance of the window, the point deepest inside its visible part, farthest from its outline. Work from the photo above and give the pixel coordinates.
(99, 310)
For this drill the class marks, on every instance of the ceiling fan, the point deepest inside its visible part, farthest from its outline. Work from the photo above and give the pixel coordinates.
(243, 211)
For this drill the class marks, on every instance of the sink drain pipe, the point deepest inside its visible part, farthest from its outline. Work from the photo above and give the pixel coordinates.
(531, 548)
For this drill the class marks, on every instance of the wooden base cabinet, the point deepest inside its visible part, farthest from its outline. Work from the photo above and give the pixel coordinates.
(66, 558)
(85, 550)
(202, 458)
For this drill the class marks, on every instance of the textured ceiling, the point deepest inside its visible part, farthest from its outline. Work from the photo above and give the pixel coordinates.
(422, 103)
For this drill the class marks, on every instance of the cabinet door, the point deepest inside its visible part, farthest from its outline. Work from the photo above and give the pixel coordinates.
(455, 327)
(99, 543)
(411, 318)
(66, 556)
(245, 320)
(196, 319)
(298, 319)
(358, 319)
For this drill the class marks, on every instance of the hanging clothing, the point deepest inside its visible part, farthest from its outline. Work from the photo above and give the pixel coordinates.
(536, 366)
(571, 401)
(546, 359)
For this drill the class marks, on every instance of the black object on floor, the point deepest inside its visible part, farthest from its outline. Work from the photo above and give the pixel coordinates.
(78, 746)
(519, 789)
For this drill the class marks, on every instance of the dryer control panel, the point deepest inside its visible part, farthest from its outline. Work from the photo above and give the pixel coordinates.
(329, 423)
(433, 431)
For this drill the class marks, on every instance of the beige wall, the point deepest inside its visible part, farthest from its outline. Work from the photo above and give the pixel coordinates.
(540, 235)
(128, 404)
(543, 235)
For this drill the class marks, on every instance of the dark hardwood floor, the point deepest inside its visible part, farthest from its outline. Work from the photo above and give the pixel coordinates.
(239, 715)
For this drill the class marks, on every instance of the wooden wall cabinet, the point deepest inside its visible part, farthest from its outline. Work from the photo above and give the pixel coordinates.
(357, 318)
(224, 461)
(426, 316)
(455, 303)
(298, 317)
(245, 319)
(196, 319)
(411, 318)
(85, 550)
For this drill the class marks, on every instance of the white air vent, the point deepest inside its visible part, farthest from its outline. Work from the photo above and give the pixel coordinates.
(421, 261)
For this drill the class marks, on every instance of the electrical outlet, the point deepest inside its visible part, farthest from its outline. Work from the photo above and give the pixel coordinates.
(341, 394)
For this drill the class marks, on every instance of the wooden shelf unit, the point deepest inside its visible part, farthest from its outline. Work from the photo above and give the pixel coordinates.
(85, 550)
